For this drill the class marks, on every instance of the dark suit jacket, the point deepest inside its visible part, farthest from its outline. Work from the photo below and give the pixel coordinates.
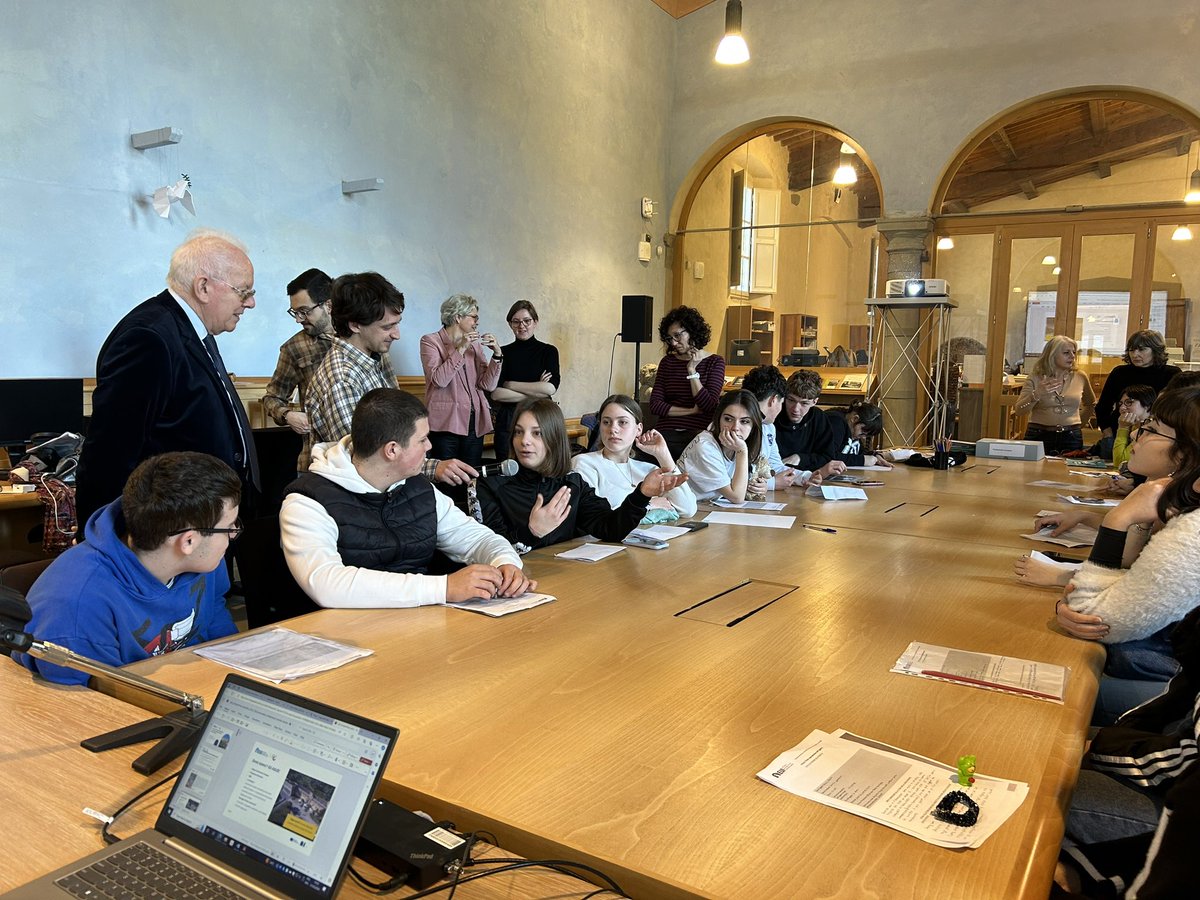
(156, 390)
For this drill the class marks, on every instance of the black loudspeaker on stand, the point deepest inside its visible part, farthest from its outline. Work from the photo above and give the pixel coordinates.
(637, 328)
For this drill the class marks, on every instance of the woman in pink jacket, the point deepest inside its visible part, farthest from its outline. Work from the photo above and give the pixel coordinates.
(457, 375)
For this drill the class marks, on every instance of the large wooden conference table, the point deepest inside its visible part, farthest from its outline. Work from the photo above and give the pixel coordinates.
(623, 724)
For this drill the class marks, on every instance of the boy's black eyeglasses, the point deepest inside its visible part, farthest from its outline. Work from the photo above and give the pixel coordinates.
(234, 533)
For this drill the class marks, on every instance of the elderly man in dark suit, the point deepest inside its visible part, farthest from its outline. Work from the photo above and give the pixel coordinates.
(160, 382)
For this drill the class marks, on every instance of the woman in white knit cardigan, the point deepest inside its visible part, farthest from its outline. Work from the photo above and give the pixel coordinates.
(1143, 574)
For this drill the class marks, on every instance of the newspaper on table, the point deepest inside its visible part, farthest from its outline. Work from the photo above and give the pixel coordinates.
(1041, 681)
(502, 606)
(891, 786)
(281, 655)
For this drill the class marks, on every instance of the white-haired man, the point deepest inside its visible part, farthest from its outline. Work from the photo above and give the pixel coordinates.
(161, 384)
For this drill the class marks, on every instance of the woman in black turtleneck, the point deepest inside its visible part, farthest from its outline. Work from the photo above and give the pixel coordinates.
(529, 371)
(545, 502)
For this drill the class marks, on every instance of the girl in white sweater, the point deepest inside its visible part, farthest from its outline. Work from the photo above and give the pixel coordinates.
(614, 474)
(1143, 574)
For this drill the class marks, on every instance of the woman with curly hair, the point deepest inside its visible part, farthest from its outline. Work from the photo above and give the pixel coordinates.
(1145, 363)
(689, 379)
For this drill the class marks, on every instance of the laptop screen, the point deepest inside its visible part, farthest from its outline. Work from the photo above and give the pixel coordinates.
(277, 786)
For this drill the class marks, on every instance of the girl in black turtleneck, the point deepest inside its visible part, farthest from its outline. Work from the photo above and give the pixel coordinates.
(545, 502)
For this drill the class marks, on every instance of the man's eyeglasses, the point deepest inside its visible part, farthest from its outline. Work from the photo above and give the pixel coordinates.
(301, 313)
(1147, 429)
(234, 533)
(244, 293)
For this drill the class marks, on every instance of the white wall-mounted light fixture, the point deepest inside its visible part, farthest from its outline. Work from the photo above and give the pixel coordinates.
(159, 137)
(732, 50)
(1049, 260)
(363, 184)
(647, 208)
(1057, 270)
(1181, 233)
(945, 242)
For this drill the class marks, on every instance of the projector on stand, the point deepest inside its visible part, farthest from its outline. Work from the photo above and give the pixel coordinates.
(917, 287)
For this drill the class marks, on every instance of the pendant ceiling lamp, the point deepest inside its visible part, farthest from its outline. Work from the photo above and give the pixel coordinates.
(732, 50)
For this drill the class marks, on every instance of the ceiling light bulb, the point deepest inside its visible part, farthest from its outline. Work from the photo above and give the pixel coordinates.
(1049, 260)
(1182, 233)
(1057, 270)
(845, 175)
(1193, 191)
(733, 50)
(945, 243)
(846, 148)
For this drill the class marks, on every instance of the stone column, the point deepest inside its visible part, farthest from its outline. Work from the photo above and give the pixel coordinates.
(906, 241)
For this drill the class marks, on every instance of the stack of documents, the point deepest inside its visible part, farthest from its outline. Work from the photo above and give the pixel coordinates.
(281, 655)
(1042, 681)
(891, 786)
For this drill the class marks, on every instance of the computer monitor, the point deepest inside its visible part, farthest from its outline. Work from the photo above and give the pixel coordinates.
(32, 405)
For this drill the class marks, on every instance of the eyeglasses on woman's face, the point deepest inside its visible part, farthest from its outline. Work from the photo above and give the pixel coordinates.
(1143, 430)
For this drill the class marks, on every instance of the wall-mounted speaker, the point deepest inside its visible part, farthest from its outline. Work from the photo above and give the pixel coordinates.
(637, 325)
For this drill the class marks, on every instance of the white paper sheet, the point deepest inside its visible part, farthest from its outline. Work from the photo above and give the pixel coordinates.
(1079, 536)
(663, 532)
(591, 552)
(502, 606)
(733, 518)
(1066, 485)
(749, 504)
(281, 655)
(871, 468)
(834, 492)
(1024, 677)
(891, 786)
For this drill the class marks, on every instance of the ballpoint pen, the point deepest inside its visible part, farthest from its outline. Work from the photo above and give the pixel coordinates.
(819, 528)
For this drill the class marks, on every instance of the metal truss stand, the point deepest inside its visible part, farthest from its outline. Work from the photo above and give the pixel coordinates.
(896, 356)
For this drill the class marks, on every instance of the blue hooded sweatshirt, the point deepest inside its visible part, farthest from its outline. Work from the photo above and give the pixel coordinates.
(100, 601)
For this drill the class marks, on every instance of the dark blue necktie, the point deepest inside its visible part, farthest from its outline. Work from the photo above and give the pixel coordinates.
(249, 457)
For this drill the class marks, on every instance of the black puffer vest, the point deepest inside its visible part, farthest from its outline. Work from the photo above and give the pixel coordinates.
(392, 532)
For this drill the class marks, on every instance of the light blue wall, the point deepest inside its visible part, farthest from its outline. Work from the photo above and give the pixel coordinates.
(515, 139)
(912, 80)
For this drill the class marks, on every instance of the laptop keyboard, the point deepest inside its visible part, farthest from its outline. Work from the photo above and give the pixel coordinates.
(142, 872)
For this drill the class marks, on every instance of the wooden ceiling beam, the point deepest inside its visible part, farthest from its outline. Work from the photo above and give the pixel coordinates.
(1103, 170)
(1185, 145)
(1029, 190)
(1056, 162)
(1003, 144)
(1097, 121)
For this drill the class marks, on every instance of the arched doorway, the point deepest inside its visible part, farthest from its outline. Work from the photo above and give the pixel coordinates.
(1060, 215)
(775, 243)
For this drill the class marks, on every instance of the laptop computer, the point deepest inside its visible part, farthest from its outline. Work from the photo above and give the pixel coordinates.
(269, 803)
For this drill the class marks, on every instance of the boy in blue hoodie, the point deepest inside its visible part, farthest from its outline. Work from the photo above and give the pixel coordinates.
(151, 576)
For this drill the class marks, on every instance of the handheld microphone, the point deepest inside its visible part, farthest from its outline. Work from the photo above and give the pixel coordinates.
(506, 467)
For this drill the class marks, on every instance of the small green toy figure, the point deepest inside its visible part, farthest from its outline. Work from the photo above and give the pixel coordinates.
(966, 770)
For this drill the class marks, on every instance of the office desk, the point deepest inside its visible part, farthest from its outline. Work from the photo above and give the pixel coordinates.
(611, 729)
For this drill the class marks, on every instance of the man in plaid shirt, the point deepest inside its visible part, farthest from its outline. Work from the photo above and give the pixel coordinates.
(301, 355)
(366, 310)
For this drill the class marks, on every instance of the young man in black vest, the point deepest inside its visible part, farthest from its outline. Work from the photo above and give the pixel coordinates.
(361, 527)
